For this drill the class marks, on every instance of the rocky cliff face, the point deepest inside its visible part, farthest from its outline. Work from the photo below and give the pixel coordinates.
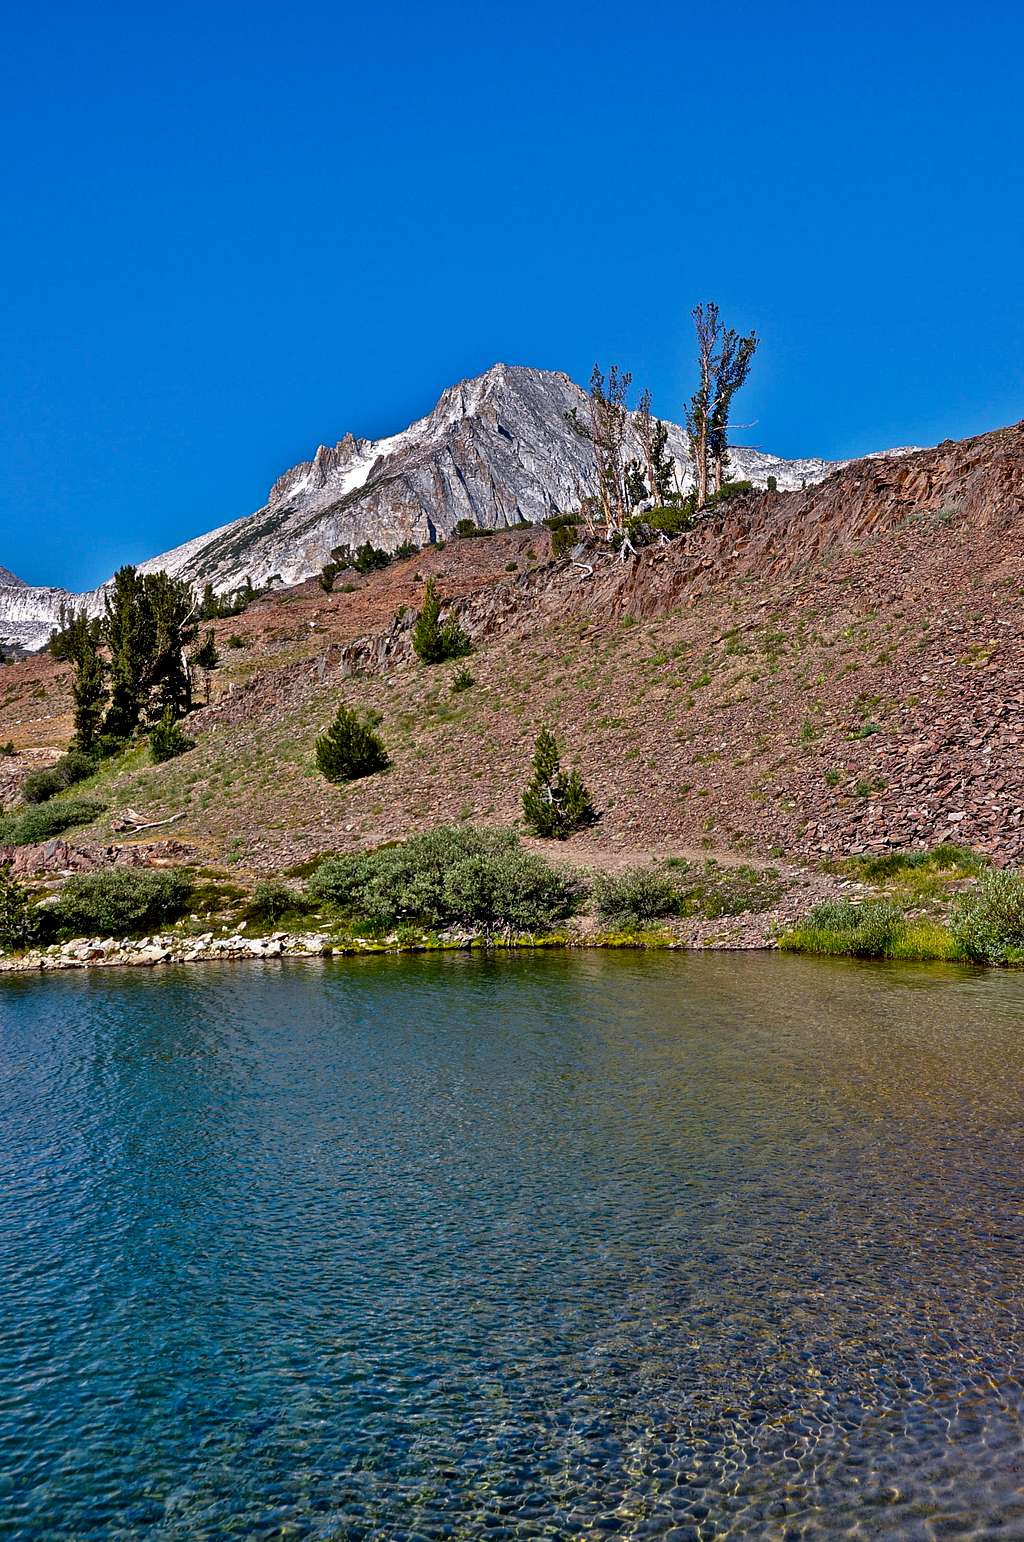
(496, 449)
(28, 614)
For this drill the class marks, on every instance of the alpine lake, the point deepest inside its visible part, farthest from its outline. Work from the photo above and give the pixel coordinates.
(545, 1245)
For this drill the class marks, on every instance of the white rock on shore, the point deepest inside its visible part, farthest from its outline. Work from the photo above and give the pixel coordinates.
(104, 952)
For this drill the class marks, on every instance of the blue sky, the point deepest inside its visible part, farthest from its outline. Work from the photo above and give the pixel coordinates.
(232, 232)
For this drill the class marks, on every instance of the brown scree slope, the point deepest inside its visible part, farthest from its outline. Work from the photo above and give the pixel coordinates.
(814, 673)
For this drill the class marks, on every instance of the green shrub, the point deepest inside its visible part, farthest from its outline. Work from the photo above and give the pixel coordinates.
(18, 924)
(682, 889)
(75, 766)
(206, 655)
(563, 539)
(989, 924)
(44, 820)
(848, 928)
(168, 739)
(271, 900)
(713, 891)
(629, 899)
(350, 747)
(462, 680)
(731, 490)
(467, 529)
(370, 559)
(671, 520)
(39, 786)
(555, 803)
(432, 641)
(448, 877)
(121, 901)
(72, 767)
(945, 858)
(234, 641)
(109, 745)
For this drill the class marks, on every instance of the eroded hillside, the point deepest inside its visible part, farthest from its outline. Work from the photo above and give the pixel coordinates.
(825, 671)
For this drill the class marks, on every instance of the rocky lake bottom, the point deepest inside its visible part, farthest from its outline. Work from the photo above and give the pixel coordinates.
(514, 1246)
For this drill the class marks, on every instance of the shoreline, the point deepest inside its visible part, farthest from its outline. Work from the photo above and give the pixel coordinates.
(151, 952)
(157, 951)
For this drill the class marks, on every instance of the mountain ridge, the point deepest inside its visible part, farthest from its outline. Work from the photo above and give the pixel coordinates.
(496, 448)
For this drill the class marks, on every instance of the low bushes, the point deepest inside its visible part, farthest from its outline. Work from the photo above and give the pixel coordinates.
(271, 901)
(563, 539)
(450, 877)
(120, 901)
(43, 820)
(945, 858)
(869, 929)
(713, 891)
(70, 768)
(851, 928)
(628, 900)
(39, 786)
(988, 925)
(18, 924)
(670, 520)
(168, 739)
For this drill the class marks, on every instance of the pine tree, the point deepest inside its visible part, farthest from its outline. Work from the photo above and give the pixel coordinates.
(636, 485)
(653, 437)
(733, 368)
(350, 747)
(206, 655)
(555, 802)
(149, 621)
(168, 739)
(172, 607)
(432, 641)
(78, 642)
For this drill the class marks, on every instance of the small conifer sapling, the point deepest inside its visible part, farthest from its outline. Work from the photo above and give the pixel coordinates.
(351, 747)
(556, 803)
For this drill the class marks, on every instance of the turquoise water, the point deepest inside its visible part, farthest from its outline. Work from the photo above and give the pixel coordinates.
(558, 1246)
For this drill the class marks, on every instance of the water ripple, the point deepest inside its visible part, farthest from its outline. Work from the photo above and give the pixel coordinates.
(558, 1247)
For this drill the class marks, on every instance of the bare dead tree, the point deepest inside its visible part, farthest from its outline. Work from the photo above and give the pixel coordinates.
(698, 414)
(606, 432)
(723, 362)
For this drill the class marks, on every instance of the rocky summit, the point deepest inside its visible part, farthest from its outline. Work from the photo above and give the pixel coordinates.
(498, 449)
